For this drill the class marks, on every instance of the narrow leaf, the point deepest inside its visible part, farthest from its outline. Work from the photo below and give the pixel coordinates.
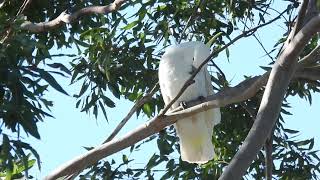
(50, 79)
(130, 25)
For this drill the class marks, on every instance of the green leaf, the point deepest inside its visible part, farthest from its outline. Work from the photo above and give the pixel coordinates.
(88, 148)
(147, 109)
(61, 67)
(33, 151)
(130, 25)
(213, 39)
(303, 143)
(265, 68)
(74, 75)
(125, 158)
(81, 43)
(311, 143)
(114, 89)
(51, 80)
(103, 110)
(291, 131)
(108, 101)
(261, 18)
(22, 168)
(29, 125)
(92, 102)
(83, 88)
(9, 169)
(285, 112)
(95, 111)
(5, 147)
(228, 54)
(152, 161)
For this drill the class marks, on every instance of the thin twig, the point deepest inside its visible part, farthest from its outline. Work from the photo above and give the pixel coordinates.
(312, 57)
(265, 11)
(189, 20)
(23, 7)
(264, 49)
(220, 71)
(259, 42)
(250, 111)
(137, 105)
(268, 159)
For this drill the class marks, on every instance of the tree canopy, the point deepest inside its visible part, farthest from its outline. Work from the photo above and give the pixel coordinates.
(120, 44)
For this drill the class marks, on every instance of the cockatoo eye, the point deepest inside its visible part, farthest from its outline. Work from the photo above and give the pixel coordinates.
(192, 68)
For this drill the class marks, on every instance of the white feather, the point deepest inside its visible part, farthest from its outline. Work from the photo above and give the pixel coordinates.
(175, 68)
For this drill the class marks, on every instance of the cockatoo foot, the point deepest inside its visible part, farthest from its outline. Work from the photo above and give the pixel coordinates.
(202, 99)
(183, 104)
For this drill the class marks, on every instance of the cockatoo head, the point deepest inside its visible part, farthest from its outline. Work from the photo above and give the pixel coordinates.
(194, 52)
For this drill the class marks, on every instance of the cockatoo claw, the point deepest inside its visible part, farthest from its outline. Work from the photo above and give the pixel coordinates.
(201, 98)
(183, 104)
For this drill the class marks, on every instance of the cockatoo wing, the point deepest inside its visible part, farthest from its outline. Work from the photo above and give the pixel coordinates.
(216, 111)
(195, 132)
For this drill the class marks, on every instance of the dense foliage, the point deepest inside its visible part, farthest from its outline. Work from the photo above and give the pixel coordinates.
(119, 53)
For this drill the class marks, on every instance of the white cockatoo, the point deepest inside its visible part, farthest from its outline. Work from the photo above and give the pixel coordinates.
(195, 132)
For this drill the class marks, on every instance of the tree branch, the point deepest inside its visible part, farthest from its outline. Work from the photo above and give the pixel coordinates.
(23, 7)
(269, 110)
(268, 159)
(309, 73)
(312, 57)
(69, 18)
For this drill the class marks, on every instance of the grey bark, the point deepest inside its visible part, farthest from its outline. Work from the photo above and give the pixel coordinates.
(268, 113)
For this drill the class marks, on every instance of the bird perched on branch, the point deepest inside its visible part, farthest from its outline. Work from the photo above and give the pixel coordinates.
(195, 132)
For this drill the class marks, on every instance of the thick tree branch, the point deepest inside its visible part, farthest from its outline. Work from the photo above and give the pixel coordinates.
(69, 18)
(268, 113)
